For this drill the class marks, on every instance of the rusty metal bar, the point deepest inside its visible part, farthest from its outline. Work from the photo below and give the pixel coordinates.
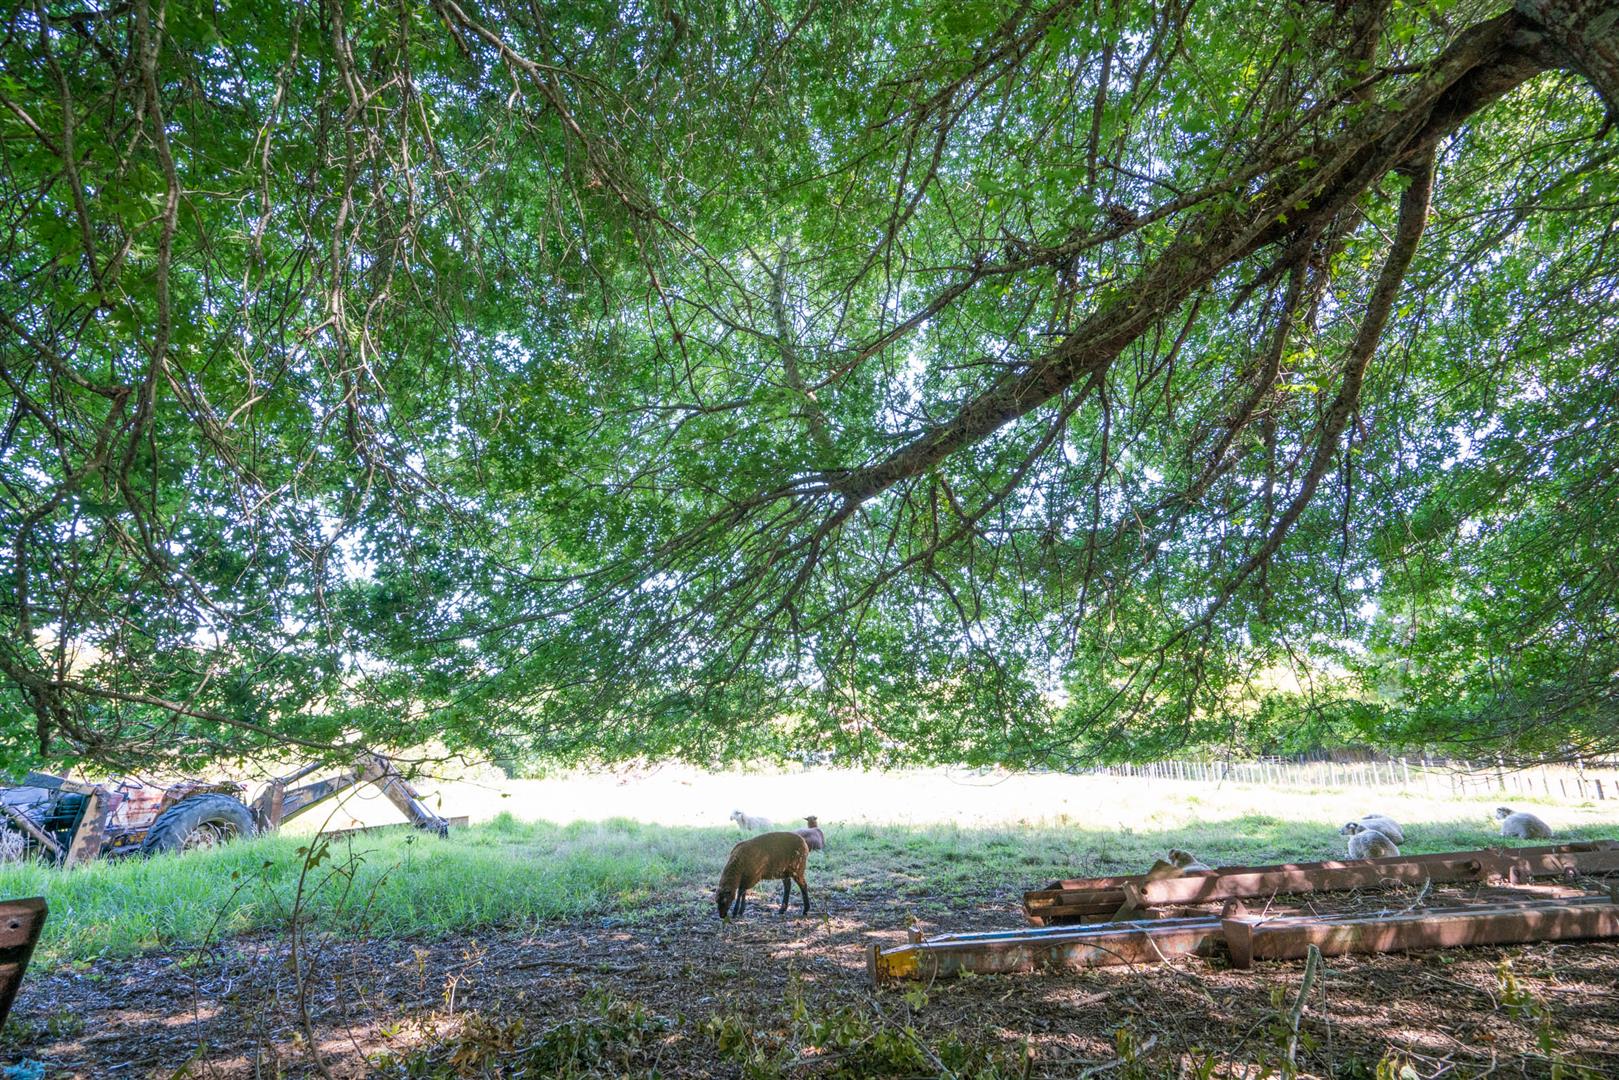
(295, 801)
(1289, 937)
(1097, 898)
(91, 831)
(45, 839)
(454, 823)
(1064, 948)
(1245, 937)
(20, 924)
(380, 771)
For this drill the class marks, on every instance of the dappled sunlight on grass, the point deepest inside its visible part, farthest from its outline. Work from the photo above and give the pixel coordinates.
(511, 872)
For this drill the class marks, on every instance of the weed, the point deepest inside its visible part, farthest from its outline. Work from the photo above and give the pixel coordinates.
(613, 1037)
(510, 872)
(851, 1043)
(1521, 1004)
(60, 1023)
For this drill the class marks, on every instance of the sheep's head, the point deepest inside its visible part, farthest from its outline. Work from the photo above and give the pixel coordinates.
(1351, 828)
(810, 821)
(1503, 812)
(1181, 858)
(724, 899)
(736, 816)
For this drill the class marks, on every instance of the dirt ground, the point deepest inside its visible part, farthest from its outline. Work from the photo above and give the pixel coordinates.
(470, 1005)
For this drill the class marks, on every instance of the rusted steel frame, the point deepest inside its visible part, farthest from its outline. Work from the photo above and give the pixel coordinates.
(1288, 938)
(1576, 848)
(297, 800)
(337, 834)
(56, 783)
(91, 831)
(382, 772)
(1103, 896)
(1246, 937)
(1067, 948)
(24, 823)
(20, 924)
(271, 807)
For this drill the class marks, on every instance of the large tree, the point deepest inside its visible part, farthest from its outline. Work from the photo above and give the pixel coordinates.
(985, 382)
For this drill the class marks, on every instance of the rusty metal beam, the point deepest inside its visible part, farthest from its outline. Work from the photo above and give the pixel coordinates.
(91, 831)
(382, 772)
(301, 799)
(20, 924)
(1245, 937)
(1098, 898)
(44, 839)
(1060, 949)
(454, 823)
(1289, 937)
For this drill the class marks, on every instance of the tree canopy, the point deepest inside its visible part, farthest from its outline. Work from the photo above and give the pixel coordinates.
(1017, 382)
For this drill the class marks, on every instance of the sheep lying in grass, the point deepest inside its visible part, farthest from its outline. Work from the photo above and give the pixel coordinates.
(1367, 843)
(1521, 825)
(1385, 825)
(773, 855)
(749, 823)
(1186, 861)
(812, 835)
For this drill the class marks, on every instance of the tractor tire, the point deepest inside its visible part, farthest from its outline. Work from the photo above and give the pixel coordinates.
(202, 821)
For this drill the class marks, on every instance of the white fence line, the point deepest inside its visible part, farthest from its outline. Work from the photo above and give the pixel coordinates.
(1434, 778)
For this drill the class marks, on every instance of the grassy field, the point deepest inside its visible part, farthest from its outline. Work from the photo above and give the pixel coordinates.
(924, 837)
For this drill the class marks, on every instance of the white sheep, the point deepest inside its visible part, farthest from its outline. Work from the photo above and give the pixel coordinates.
(749, 823)
(1385, 825)
(1521, 825)
(1187, 861)
(1365, 843)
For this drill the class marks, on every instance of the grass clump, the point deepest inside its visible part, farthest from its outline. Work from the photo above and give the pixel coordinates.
(507, 872)
(401, 883)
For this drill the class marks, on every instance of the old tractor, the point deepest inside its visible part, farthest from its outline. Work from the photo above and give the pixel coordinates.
(70, 822)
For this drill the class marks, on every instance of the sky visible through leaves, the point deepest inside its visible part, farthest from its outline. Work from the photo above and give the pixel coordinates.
(923, 381)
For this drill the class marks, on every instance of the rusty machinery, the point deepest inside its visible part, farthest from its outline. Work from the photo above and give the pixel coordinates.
(1512, 895)
(71, 822)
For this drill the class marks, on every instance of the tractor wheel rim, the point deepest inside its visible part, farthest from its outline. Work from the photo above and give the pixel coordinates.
(207, 835)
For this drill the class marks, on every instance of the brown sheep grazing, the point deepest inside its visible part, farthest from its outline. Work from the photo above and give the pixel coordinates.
(812, 835)
(773, 855)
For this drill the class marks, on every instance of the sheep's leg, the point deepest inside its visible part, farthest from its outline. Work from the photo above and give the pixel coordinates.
(786, 892)
(803, 890)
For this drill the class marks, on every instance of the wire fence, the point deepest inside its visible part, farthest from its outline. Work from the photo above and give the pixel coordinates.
(1594, 782)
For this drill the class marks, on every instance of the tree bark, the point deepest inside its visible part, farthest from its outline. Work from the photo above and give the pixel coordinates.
(1478, 68)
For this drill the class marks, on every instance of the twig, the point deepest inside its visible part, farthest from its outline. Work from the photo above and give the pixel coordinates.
(1141, 1051)
(578, 965)
(1312, 961)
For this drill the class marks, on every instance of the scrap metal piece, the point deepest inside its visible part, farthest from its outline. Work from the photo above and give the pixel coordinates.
(91, 832)
(1095, 899)
(20, 924)
(26, 824)
(1289, 937)
(1000, 952)
(454, 824)
(1246, 937)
